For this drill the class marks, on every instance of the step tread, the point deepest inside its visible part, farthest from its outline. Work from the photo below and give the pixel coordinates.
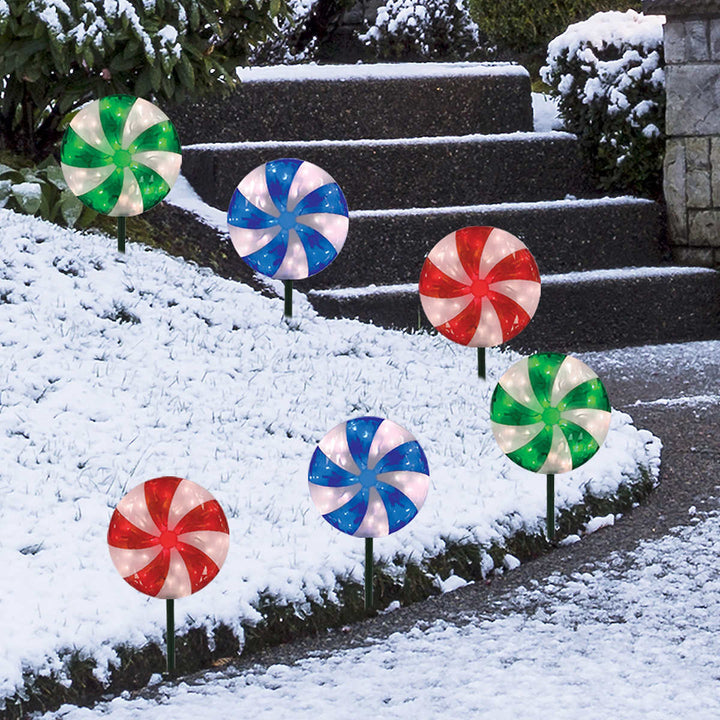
(569, 202)
(385, 173)
(366, 101)
(571, 278)
(474, 138)
(377, 71)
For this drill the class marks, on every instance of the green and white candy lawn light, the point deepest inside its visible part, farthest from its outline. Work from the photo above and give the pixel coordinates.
(121, 156)
(550, 413)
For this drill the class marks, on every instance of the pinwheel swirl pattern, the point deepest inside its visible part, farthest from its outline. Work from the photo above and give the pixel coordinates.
(120, 155)
(168, 537)
(288, 219)
(479, 286)
(550, 413)
(368, 477)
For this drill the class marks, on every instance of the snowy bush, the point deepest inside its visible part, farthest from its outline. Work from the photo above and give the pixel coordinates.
(607, 74)
(57, 54)
(42, 191)
(527, 27)
(423, 29)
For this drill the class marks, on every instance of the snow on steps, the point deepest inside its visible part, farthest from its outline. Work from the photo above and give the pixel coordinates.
(578, 311)
(386, 247)
(409, 172)
(361, 101)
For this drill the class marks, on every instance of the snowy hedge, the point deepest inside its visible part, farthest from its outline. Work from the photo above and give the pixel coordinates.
(57, 54)
(423, 29)
(607, 74)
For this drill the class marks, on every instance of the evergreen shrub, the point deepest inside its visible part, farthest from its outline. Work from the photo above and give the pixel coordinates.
(423, 30)
(607, 73)
(56, 55)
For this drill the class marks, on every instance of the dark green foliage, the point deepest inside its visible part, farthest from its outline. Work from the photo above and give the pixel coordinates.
(53, 60)
(526, 27)
(41, 191)
(611, 94)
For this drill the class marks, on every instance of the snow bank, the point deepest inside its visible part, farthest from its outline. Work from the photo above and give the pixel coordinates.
(116, 369)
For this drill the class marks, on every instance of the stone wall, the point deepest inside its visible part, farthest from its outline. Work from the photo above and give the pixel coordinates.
(692, 159)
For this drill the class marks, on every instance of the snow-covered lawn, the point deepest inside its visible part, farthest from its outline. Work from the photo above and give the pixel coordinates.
(635, 639)
(114, 370)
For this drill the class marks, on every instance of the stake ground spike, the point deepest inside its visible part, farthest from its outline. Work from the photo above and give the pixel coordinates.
(288, 297)
(121, 234)
(368, 574)
(551, 507)
(481, 362)
(170, 610)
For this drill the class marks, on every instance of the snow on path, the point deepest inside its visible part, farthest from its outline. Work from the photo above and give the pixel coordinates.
(116, 369)
(635, 638)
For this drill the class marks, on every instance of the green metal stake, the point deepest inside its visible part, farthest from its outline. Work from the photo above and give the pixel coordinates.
(368, 574)
(121, 234)
(288, 298)
(551, 507)
(481, 362)
(170, 607)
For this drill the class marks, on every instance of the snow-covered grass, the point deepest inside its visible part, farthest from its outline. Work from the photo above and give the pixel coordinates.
(116, 369)
(634, 638)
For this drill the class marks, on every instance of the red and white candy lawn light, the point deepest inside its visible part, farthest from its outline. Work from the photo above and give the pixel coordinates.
(480, 287)
(168, 538)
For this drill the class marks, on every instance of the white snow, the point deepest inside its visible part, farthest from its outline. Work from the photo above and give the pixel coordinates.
(634, 637)
(116, 369)
(610, 28)
(571, 278)
(373, 71)
(505, 207)
(518, 136)
(545, 113)
(596, 523)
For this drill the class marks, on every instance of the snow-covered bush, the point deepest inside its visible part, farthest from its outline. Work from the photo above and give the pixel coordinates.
(57, 54)
(607, 74)
(42, 191)
(423, 29)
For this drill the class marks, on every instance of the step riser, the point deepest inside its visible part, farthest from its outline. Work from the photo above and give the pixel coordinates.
(356, 109)
(412, 174)
(576, 317)
(389, 250)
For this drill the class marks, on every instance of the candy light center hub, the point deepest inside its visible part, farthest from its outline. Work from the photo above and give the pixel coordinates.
(368, 478)
(551, 416)
(479, 288)
(287, 220)
(122, 158)
(168, 539)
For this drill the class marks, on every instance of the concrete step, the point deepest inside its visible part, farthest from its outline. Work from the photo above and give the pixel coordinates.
(386, 247)
(407, 173)
(343, 102)
(578, 311)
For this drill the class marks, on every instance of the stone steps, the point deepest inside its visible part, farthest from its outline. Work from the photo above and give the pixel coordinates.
(386, 247)
(578, 311)
(363, 101)
(423, 150)
(401, 173)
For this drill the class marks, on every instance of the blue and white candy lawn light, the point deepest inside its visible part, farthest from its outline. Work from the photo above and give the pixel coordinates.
(288, 219)
(368, 477)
